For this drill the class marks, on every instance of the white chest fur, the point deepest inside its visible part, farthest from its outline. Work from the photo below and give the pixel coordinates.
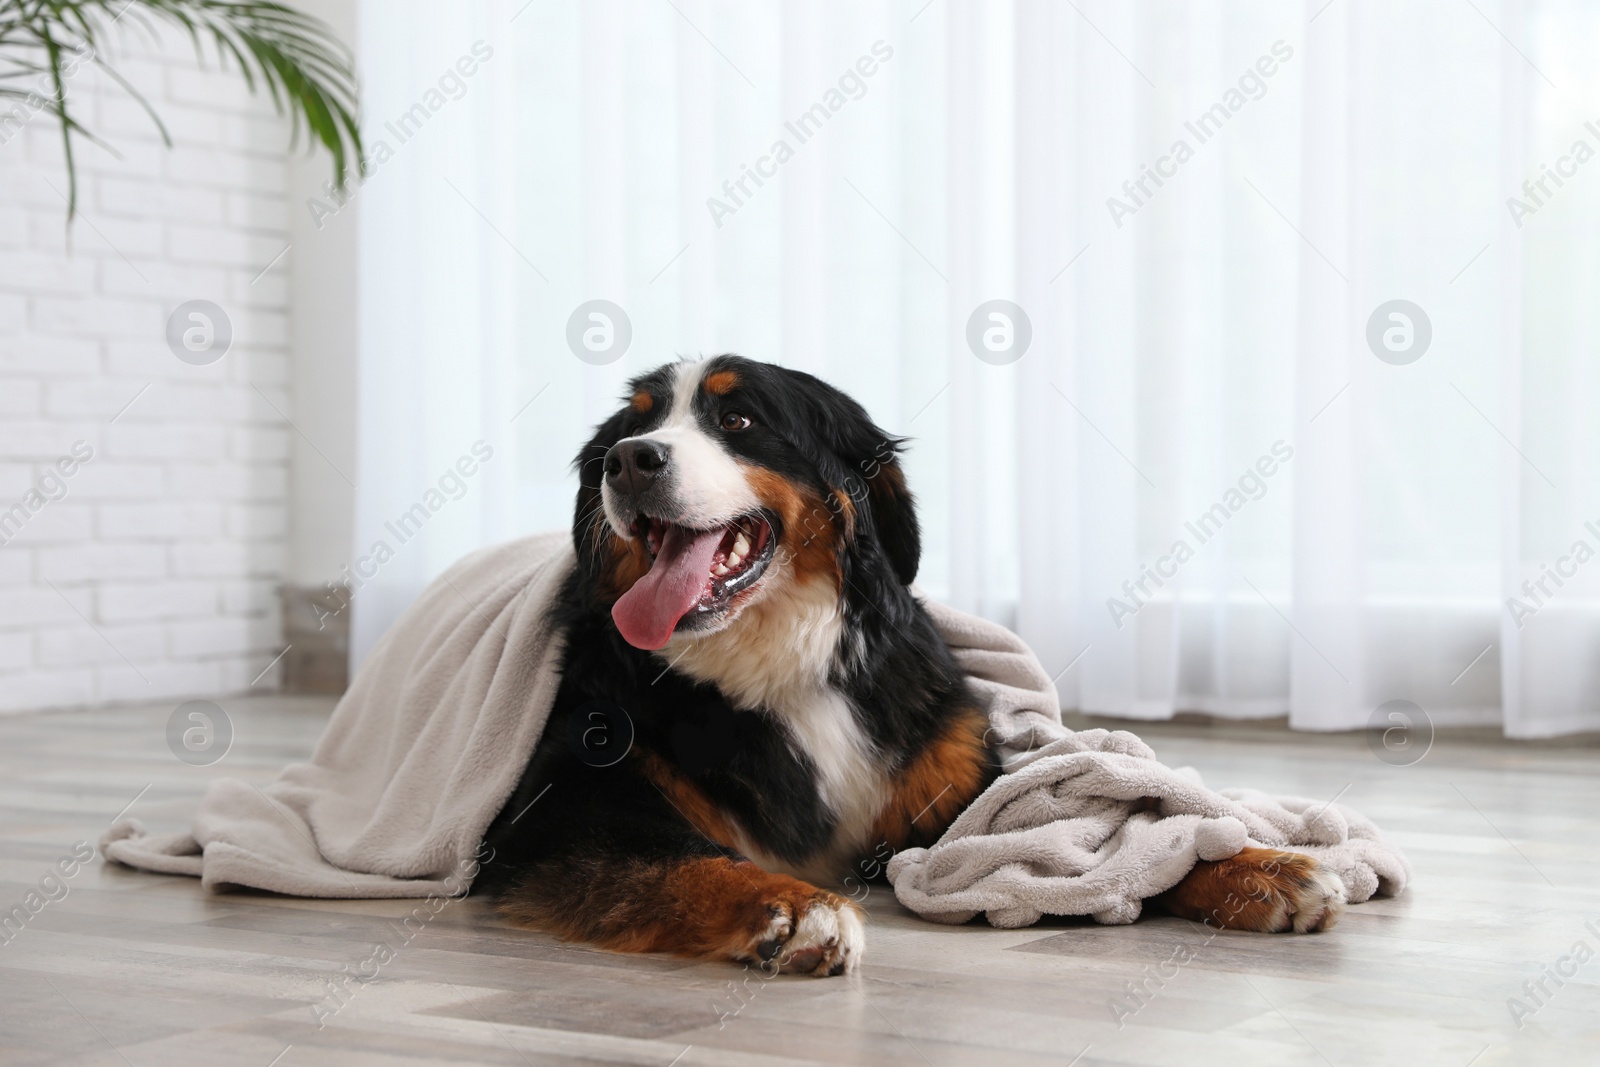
(850, 779)
(778, 657)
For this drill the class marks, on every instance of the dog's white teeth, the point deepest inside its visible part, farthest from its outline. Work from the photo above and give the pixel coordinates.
(741, 546)
(719, 570)
(734, 559)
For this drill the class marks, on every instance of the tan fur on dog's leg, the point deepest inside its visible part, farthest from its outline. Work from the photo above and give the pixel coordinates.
(1260, 889)
(722, 909)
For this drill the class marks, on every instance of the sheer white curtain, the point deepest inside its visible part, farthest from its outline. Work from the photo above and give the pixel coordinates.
(1200, 487)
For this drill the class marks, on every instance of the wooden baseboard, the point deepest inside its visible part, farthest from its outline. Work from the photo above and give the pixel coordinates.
(318, 635)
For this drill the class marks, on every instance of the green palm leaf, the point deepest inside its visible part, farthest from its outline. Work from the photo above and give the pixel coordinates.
(307, 71)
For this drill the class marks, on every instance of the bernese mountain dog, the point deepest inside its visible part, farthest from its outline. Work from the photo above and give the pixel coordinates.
(753, 706)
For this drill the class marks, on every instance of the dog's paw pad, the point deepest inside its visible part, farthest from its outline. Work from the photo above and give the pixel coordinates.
(797, 928)
(1317, 901)
(828, 940)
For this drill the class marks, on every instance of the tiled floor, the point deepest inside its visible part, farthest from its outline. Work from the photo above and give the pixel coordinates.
(136, 969)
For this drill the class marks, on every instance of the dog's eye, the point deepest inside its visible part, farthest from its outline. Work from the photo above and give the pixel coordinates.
(735, 421)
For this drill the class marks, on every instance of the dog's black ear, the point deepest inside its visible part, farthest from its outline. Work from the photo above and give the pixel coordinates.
(864, 464)
(892, 510)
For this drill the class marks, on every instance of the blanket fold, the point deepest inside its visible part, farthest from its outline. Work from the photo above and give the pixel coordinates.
(432, 736)
(1093, 824)
(419, 756)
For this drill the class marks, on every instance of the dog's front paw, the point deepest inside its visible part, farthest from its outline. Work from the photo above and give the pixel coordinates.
(705, 908)
(813, 932)
(1260, 889)
(1316, 898)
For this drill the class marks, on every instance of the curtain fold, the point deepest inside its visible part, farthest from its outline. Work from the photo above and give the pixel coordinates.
(1222, 476)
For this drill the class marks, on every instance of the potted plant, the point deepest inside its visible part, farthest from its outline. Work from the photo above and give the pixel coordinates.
(308, 72)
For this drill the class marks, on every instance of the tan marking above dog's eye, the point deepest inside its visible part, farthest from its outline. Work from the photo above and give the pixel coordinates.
(732, 420)
(721, 383)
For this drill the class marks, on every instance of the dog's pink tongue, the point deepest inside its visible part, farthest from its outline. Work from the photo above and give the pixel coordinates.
(646, 614)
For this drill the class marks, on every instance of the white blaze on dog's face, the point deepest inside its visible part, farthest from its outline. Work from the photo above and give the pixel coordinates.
(676, 486)
(704, 486)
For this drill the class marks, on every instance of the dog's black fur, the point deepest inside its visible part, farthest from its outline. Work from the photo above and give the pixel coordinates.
(627, 825)
(571, 820)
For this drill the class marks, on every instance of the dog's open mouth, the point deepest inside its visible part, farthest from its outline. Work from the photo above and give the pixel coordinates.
(694, 574)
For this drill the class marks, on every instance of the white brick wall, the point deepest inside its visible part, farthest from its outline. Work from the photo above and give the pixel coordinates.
(156, 576)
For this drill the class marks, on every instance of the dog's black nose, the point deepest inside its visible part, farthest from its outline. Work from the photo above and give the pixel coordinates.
(632, 465)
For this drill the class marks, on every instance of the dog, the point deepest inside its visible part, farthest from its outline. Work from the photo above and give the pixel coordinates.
(753, 706)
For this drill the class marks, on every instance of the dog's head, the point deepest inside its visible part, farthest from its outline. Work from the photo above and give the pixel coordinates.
(723, 479)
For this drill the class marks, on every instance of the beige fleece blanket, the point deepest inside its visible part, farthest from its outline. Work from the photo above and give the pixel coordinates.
(432, 736)
(1093, 824)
